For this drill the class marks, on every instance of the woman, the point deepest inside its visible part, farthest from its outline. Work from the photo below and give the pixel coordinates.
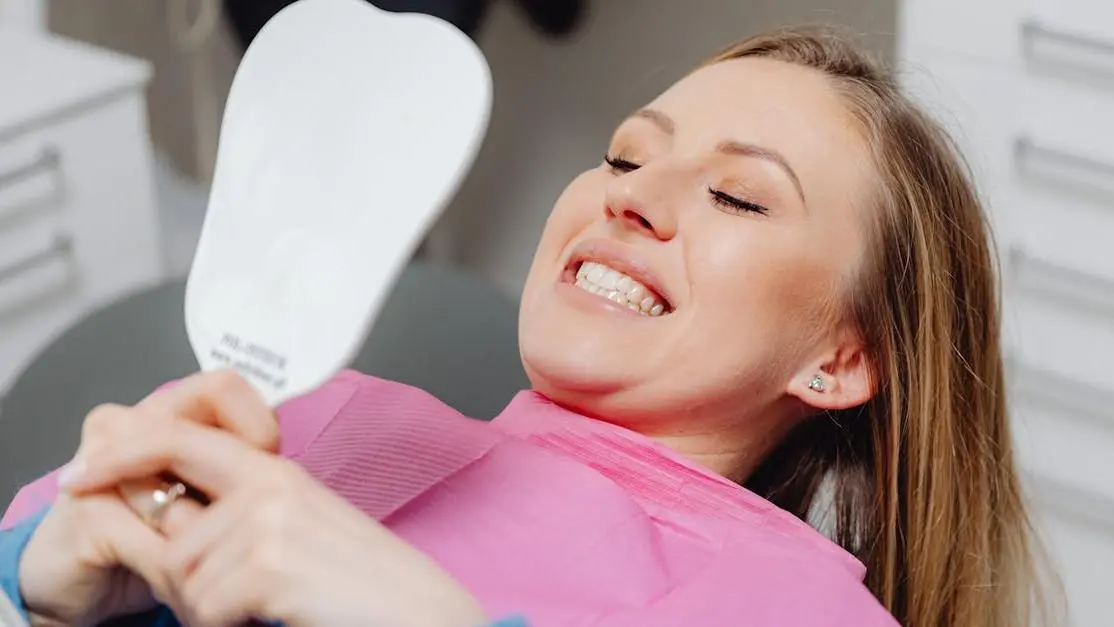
(772, 302)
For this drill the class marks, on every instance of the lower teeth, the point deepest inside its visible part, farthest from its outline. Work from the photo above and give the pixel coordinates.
(652, 308)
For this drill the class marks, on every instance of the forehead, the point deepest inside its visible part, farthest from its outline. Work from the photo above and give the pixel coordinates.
(792, 109)
(750, 94)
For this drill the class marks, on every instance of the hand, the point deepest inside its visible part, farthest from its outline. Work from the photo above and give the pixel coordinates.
(92, 558)
(274, 544)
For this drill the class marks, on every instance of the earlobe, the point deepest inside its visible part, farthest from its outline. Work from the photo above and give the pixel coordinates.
(840, 381)
(816, 384)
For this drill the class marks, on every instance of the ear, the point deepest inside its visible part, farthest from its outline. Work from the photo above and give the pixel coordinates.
(839, 378)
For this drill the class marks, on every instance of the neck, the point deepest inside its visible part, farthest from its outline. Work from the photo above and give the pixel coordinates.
(731, 453)
(731, 447)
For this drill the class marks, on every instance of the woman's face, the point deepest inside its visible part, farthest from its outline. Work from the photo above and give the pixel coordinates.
(695, 275)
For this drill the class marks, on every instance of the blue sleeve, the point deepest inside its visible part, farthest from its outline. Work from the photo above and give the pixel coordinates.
(12, 543)
(510, 621)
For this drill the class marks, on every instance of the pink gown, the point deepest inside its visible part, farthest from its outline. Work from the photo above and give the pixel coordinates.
(569, 521)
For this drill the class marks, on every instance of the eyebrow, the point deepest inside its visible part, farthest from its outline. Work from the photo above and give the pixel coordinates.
(658, 119)
(728, 147)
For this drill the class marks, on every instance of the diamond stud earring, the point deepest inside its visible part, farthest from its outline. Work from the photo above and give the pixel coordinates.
(816, 384)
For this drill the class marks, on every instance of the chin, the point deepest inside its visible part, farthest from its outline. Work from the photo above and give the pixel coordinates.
(556, 365)
(589, 353)
(592, 377)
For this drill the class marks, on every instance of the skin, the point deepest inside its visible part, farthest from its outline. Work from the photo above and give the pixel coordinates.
(754, 316)
(725, 375)
(273, 544)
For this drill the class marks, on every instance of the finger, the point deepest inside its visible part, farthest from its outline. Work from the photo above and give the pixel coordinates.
(129, 446)
(179, 514)
(189, 545)
(231, 554)
(221, 399)
(127, 541)
(223, 591)
(143, 552)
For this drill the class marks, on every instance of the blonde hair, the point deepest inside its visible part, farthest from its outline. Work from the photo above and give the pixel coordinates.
(924, 482)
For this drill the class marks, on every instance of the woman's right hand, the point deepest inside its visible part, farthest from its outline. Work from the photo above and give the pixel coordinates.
(92, 558)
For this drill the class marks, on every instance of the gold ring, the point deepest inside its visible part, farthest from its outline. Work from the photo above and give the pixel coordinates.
(162, 498)
(151, 503)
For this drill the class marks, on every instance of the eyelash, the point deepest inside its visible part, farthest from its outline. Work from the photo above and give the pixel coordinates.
(620, 164)
(725, 200)
(734, 204)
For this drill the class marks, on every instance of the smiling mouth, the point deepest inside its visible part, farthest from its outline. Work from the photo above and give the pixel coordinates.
(606, 282)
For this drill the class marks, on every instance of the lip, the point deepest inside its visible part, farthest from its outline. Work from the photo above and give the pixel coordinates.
(621, 258)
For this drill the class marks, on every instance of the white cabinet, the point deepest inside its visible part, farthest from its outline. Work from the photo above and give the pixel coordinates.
(1027, 88)
(1009, 32)
(25, 15)
(78, 221)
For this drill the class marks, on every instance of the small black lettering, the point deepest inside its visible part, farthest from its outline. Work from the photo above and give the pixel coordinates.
(256, 352)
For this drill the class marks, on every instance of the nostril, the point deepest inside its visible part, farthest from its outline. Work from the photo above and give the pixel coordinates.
(639, 218)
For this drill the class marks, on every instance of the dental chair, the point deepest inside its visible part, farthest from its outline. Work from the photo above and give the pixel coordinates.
(441, 330)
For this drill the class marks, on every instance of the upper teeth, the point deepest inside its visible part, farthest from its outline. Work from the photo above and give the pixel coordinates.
(618, 287)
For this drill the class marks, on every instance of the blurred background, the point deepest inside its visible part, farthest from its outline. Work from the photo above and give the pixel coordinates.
(109, 117)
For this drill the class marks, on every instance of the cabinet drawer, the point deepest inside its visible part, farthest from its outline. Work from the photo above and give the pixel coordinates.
(31, 180)
(1064, 431)
(1081, 548)
(48, 301)
(37, 266)
(1059, 320)
(1069, 33)
(1042, 157)
(77, 223)
(36, 231)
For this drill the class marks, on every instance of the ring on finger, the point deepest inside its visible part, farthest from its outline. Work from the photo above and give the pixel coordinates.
(151, 503)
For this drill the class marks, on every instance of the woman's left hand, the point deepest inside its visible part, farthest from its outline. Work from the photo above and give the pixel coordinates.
(273, 544)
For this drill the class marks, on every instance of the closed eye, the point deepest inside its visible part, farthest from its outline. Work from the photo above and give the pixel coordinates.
(735, 205)
(731, 203)
(621, 165)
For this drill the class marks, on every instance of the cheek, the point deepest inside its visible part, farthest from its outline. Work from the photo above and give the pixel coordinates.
(758, 288)
(578, 207)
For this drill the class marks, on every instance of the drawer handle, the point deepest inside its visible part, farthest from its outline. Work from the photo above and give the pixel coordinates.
(60, 246)
(1032, 30)
(47, 160)
(1077, 502)
(1025, 149)
(1086, 290)
(1077, 398)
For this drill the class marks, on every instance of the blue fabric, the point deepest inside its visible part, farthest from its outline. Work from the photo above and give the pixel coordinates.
(510, 621)
(14, 541)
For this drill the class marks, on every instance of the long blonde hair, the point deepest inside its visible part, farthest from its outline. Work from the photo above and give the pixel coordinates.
(925, 485)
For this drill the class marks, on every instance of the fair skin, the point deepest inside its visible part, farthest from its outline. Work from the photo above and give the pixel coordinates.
(720, 377)
(726, 374)
(274, 544)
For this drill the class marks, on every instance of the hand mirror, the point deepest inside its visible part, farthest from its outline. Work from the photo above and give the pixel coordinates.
(346, 133)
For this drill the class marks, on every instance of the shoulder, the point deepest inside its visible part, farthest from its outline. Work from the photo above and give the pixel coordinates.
(747, 585)
(791, 585)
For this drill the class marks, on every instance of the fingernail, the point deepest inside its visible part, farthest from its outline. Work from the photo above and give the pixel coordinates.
(71, 473)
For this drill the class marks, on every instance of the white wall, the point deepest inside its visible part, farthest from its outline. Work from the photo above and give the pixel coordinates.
(556, 104)
(23, 14)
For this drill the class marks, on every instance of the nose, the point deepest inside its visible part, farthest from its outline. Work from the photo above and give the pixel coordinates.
(632, 203)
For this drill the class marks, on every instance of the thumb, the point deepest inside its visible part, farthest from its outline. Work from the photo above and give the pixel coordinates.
(124, 539)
